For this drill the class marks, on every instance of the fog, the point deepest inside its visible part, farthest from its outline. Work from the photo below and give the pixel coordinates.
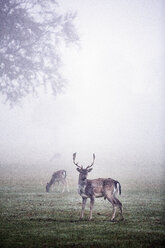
(113, 104)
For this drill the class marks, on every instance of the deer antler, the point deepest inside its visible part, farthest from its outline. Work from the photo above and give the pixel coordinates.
(74, 156)
(92, 162)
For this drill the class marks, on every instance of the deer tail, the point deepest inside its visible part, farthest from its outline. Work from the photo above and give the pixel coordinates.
(119, 186)
(65, 173)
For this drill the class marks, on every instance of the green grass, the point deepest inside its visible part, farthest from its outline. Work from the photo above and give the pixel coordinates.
(29, 217)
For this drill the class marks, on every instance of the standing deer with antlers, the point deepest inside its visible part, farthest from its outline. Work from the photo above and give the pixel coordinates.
(101, 187)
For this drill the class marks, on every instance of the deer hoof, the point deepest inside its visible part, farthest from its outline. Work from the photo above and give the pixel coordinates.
(113, 220)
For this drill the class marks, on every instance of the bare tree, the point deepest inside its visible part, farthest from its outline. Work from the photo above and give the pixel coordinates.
(30, 36)
(101, 187)
(58, 177)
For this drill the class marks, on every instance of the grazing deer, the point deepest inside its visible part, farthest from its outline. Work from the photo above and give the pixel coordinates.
(101, 187)
(57, 177)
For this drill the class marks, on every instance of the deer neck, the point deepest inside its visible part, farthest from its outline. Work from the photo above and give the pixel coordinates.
(82, 183)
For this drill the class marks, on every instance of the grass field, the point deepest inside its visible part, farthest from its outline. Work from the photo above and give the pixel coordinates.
(30, 217)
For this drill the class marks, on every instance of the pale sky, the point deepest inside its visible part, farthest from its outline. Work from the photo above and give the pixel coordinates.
(113, 104)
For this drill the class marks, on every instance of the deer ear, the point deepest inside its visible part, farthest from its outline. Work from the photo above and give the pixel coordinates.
(89, 170)
(78, 170)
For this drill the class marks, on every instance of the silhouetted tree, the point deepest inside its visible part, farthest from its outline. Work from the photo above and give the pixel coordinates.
(31, 32)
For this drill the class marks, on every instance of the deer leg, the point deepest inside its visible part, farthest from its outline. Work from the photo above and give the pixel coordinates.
(119, 204)
(58, 187)
(84, 200)
(91, 207)
(66, 185)
(63, 183)
(111, 200)
(53, 186)
(114, 213)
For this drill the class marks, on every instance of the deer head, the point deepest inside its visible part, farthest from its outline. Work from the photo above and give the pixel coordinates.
(80, 169)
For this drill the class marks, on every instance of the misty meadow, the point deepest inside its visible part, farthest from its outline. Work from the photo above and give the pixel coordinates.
(31, 217)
